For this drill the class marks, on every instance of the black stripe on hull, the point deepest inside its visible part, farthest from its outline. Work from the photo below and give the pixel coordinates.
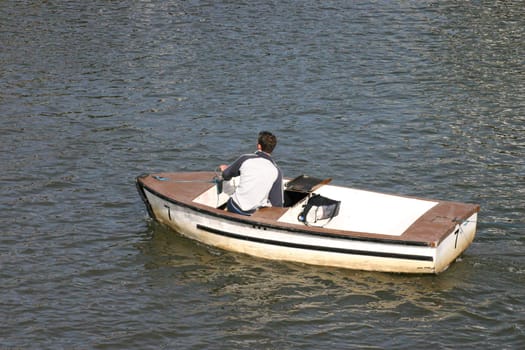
(314, 247)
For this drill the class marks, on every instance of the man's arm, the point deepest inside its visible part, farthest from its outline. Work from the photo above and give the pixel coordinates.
(234, 169)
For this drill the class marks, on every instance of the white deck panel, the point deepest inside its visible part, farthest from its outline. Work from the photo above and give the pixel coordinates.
(365, 211)
(361, 211)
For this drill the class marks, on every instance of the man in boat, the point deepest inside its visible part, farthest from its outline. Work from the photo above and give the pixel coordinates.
(260, 179)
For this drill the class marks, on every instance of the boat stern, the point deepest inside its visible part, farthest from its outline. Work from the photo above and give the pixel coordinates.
(456, 243)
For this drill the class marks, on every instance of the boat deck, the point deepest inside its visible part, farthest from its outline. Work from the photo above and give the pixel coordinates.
(363, 214)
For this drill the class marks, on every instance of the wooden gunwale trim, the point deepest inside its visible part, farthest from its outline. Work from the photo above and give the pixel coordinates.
(262, 222)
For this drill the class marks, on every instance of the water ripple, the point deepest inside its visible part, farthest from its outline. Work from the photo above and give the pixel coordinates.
(418, 98)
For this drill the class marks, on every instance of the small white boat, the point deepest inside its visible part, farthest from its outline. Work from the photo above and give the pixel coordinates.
(371, 231)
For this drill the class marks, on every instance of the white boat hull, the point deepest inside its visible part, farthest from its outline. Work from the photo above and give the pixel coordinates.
(282, 243)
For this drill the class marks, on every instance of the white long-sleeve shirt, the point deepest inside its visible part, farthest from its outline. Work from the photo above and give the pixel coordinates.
(260, 181)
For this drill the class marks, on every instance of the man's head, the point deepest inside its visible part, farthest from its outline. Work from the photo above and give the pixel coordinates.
(267, 141)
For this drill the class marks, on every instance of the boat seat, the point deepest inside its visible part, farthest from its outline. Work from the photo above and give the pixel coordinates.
(300, 187)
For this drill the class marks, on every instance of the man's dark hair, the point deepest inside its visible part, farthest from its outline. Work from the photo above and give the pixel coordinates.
(267, 140)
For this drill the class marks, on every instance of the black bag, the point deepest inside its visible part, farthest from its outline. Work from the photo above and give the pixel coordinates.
(319, 208)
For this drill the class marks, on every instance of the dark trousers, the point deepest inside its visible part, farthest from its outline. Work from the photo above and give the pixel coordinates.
(234, 208)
